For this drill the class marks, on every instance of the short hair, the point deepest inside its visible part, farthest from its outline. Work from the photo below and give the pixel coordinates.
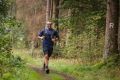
(49, 22)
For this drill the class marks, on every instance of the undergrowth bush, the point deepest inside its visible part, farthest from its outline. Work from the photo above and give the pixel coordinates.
(7, 61)
(84, 46)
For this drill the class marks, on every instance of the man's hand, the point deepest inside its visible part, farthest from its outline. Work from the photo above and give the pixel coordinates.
(41, 37)
(54, 39)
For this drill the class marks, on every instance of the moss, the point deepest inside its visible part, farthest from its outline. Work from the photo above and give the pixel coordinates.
(99, 65)
(113, 61)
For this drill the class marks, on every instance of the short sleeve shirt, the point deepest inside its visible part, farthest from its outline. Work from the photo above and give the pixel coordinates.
(48, 33)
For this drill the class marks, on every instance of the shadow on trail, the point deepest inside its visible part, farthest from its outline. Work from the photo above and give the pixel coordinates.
(66, 77)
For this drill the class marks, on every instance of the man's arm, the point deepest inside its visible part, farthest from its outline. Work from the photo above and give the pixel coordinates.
(54, 39)
(40, 36)
(56, 36)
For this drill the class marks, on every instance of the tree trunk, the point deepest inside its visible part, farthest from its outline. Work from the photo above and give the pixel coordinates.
(51, 8)
(55, 14)
(33, 35)
(68, 30)
(119, 38)
(48, 10)
(111, 34)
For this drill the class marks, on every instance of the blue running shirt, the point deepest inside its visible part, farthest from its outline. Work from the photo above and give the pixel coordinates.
(48, 33)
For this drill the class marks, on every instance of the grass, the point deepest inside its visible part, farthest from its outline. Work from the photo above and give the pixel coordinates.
(52, 76)
(28, 72)
(22, 73)
(79, 72)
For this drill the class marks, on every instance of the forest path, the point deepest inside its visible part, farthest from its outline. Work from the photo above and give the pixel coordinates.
(37, 69)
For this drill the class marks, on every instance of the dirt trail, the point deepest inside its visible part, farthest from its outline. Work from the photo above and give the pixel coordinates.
(43, 73)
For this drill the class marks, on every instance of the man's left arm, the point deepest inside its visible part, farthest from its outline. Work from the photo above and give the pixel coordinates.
(56, 36)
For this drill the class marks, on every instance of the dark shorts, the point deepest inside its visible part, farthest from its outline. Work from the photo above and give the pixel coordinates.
(47, 50)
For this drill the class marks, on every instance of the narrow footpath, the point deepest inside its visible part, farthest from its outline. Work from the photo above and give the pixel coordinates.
(66, 77)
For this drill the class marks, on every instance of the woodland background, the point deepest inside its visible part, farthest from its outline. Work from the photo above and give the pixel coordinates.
(80, 23)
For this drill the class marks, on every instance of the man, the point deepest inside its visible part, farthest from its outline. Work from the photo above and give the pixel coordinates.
(49, 36)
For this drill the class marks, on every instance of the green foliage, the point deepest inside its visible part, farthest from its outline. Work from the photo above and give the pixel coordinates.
(4, 7)
(83, 11)
(87, 48)
(87, 24)
(99, 64)
(57, 52)
(7, 61)
(113, 61)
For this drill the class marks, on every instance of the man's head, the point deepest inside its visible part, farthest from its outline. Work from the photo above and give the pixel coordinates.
(49, 24)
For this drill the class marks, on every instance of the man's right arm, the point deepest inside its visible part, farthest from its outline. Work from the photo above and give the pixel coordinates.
(40, 36)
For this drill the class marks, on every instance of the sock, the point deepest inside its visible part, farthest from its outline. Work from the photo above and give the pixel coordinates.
(46, 67)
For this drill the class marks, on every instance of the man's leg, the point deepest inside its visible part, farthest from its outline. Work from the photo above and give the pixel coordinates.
(45, 51)
(46, 59)
(47, 54)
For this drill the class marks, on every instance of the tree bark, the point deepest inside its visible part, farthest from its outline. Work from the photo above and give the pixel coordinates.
(33, 35)
(48, 10)
(119, 38)
(51, 8)
(55, 14)
(68, 30)
(111, 33)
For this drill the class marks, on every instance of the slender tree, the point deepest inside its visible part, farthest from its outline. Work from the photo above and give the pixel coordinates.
(111, 33)
(119, 37)
(68, 30)
(55, 14)
(51, 8)
(48, 10)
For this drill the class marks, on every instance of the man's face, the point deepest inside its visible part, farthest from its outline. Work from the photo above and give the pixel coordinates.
(49, 24)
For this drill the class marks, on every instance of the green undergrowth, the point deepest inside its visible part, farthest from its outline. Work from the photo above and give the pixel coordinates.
(21, 73)
(113, 61)
(28, 72)
(98, 71)
(87, 72)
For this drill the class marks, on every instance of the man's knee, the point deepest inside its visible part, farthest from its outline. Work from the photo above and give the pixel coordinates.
(46, 56)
